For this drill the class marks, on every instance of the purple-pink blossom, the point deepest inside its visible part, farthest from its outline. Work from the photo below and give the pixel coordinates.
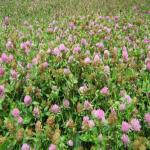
(4, 58)
(128, 98)
(20, 120)
(147, 118)
(122, 107)
(26, 46)
(97, 59)
(100, 45)
(2, 90)
(87, 60)
(27, 100)
(45, 65)
(148, 66)
(125, 54)
(125, 139)
(9, 44)
(135, 124)
(66, 103)
(87, 105)
(52, 147)
(25, 146)
(56, 51)
(104, 90)
(70, 143)
(125, 127)
(72, 25)
(14, 74)
(55, 108)
(99, 114)
(87, 123)
(10, 58)
(15, 112)
(62, 47)
(36, 112)
(76, 49)
(83, 42)
(35, 61)
(146, 41)
(116, 18)
(67, 71)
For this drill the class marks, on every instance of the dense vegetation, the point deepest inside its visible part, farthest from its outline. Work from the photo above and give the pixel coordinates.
(74, 75)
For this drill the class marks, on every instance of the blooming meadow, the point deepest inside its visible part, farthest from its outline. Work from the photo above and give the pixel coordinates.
(80, 84)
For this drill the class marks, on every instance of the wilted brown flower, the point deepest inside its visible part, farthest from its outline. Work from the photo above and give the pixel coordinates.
(10, 126)
(50, 121)
(2, 139)
(49, 132)
(6, 21)
(56, 136)
(29, 132)
(139, 144)
(106, 54)
(38, 93)
(115, 53)
(135, 112)
(79, 107)
(28, 90)
(92, 76)
(112, 119)
(135, 100)
(70, 123)
(38, 126)
(18, 84)
(20, 134)
(14, 65)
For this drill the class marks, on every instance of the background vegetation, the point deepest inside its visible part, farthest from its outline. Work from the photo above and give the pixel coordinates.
(45, 10)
